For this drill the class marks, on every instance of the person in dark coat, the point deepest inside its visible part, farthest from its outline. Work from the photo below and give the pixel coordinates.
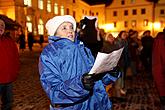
(41, 40)
(30, 40)
(9, 67)
(146, 53)
(22, 43)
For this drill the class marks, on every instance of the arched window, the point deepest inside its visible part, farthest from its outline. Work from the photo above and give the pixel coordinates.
(29, 23)
(55, 8)
(40, 27)
(49, 6)
(62, 10)
(40, 4)
(28, 2)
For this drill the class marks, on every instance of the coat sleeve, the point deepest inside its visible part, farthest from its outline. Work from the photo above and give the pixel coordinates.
(58, 90)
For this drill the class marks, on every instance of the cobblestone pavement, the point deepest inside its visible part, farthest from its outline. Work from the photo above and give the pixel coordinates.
(28, 94)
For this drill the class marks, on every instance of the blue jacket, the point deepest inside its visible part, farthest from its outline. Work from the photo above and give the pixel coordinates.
(61, 66)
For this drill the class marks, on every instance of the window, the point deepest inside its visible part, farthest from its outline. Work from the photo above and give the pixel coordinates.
(122, 2)
(82, 11)
(90, 13)
(28, 2)
(133, 23)
(74, 14)
(125, 12)
(40, 4)
(74, 1)
(145, 22)
(134, 12)
(85, 12)
(49, 6)
(62, 10)
(115, 13)
(162, 12)
(143, 11)
(133, 1)
(29, 23)
(67, 11)
(125, 23)
(55, 8)
(115, 24)
(97, 13)
(40, 27)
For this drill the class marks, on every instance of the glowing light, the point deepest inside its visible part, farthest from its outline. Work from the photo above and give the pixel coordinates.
(107, 27)
(157, 25)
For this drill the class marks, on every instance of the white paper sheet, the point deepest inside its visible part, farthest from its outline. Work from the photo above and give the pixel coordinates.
(105, 62)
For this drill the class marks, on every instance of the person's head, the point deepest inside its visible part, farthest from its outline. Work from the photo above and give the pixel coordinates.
(147, 33)
(123, 34)
(2, 27)
(62, 26)
(109, 37)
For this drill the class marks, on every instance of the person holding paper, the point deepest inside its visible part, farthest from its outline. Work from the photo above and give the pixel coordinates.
(64, 65)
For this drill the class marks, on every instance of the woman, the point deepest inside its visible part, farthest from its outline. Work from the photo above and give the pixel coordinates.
(64, 65)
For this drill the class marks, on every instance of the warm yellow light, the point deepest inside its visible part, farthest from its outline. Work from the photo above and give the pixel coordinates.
(157, 25)
(107, 27)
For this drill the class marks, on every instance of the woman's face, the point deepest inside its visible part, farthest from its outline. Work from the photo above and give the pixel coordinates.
(110, 38)
(65, 30)
(124, 35)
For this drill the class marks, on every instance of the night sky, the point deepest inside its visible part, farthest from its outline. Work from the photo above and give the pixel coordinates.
(93, 2)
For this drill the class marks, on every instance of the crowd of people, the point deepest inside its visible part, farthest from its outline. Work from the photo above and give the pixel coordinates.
(65, 62)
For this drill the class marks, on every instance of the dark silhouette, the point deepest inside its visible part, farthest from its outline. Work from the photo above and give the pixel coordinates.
(41, 40)
(22, 43)
(146, 53)
(89, 35)
(30, 40)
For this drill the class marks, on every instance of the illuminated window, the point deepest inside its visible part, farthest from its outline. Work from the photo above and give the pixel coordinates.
(29, 23)
(133, 1)
(133, 23)
(55, 8)
(49, 6)
(62, 10)
(28, 2)
(40, 27)
(145, 22)
(40, 4)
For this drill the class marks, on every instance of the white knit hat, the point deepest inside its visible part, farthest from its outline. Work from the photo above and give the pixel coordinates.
(56, 21)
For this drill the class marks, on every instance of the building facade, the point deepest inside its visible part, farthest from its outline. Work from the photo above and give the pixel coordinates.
(119, 15)
(139, 15)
